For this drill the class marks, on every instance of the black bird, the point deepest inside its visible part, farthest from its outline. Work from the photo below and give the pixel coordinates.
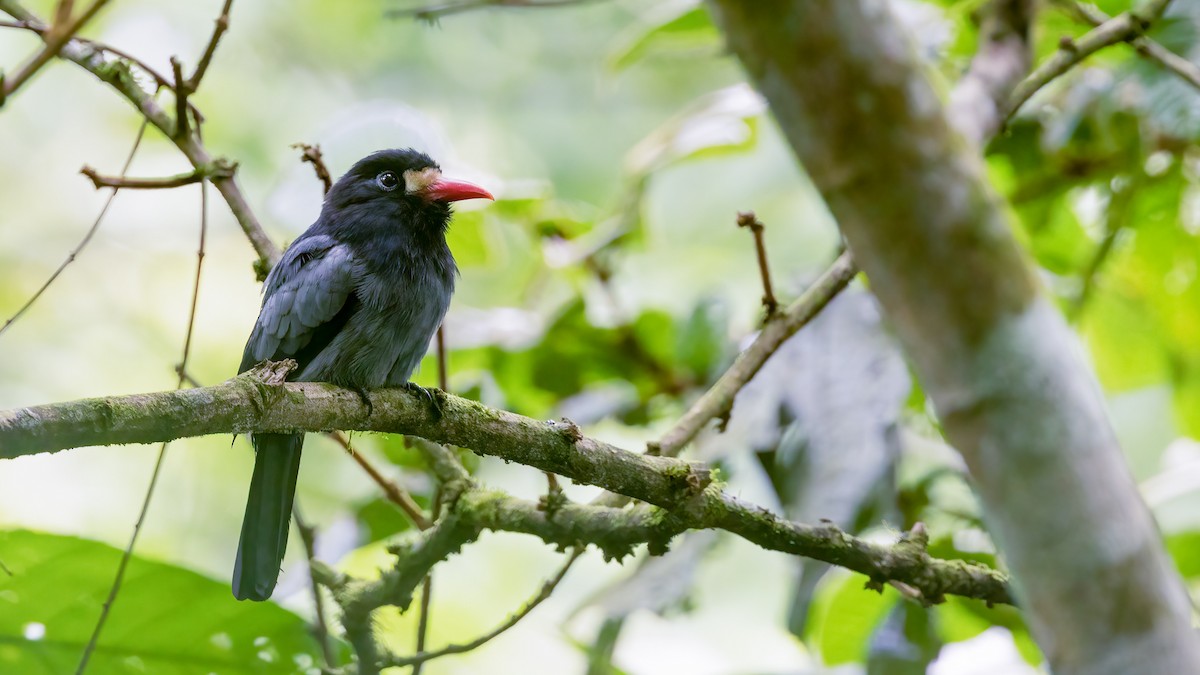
(355, 301)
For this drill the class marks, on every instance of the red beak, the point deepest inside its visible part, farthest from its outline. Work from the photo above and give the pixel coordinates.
(443, 190)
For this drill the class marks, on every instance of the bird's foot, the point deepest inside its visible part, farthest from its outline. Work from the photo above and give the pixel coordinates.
(365, 397)
(429, 394)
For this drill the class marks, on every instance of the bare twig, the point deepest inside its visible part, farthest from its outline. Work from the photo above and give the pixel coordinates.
(320, 628)
(1124, 27)
(220, 168)
(222, 25)
(182, 91)
(1145, 46)
(161, 80)
(426, 594)
(747, 219)
(546, 590)
(395, 494)
(181, 368)
(87, 237)
(437, 11)
(718, 400)
(55, 38)
(427, 585)
(312, 155)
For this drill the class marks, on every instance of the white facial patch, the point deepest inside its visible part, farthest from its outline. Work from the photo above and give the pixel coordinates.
(416, 181)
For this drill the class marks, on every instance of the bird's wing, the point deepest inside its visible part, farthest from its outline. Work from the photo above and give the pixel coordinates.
(307, 299)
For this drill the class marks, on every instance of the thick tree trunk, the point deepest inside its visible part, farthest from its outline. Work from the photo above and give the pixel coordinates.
(1000, 364)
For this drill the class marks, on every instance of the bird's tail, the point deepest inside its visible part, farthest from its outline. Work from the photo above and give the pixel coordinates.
(268, 514)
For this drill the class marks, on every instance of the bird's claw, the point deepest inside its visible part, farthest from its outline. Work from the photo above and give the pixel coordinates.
(429, 394)
(365, 397)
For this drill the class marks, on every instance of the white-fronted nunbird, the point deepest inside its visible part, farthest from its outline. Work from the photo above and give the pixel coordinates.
(354, 300)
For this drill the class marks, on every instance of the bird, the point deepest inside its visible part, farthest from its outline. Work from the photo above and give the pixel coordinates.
(354, 301)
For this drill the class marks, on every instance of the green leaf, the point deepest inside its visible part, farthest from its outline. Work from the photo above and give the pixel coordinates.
(1185, 549)
(382, 519)
(844, 615)
(167, 620)
(686, 32)
(701, 346)
(961, 619)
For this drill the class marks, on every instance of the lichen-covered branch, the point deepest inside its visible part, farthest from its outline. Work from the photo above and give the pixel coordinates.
(994, 355)
(1145, 47)
(1124, 27)
(682, 491)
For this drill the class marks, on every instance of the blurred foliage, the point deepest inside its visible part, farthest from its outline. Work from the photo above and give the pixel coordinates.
(607, 284)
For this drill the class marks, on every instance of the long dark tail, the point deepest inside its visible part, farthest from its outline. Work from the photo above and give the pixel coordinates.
(268, 515)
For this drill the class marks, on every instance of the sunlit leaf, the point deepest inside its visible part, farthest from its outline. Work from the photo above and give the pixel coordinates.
(846, 615)
(167, 620)
(682, 32)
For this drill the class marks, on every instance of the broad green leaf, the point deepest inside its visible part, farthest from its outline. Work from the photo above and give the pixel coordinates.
(844, 615)
(685, 31)
(961, 619)
(166, 621)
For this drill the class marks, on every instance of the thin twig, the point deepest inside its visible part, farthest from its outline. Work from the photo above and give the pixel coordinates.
(4, 568)
(101, 181)
(426, 594)
(63, 14)
(718, 400)
(181, 98)
(434, 12)
(1145, 47)
(427, 585)
(222, 25)
(1124, 27)
(546, 590)
(320, 628)
(159, 79)
(87, 238)
(395, 494)
(747, 219)
(312, 155)
(57, 36)
(181, 368)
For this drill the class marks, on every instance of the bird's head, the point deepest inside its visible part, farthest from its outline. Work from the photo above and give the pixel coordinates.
(403, 184)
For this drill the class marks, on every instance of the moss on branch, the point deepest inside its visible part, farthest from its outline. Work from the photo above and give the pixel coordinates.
(678, 495)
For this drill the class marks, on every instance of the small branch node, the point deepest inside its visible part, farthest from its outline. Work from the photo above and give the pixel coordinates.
(554, 499)
(748, 220)
(569, 430)
(312, 155)
(273, 373)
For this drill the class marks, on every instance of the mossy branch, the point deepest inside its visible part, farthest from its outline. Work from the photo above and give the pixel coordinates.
(683, 492)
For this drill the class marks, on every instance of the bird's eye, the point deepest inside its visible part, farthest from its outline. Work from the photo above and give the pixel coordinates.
(388, 180)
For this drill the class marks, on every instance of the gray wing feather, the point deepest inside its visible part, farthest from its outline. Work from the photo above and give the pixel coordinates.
(307, 288)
